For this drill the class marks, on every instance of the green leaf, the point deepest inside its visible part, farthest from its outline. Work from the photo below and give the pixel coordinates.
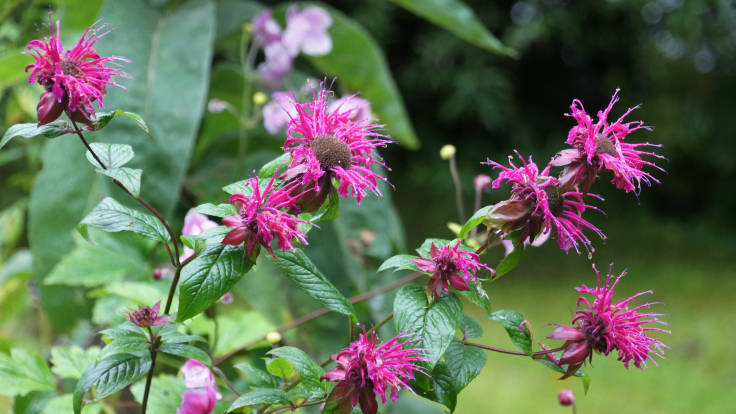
(130, 178)
(424, 249)
(209, 276)
(63, 405)
(438, 386)
(50, 130)
(308, 370)
(563, 369)
(232, 14)
(255, 376)
(112, 155)
(279, 163)
(186, 351)
(399, 262)
(476, 219)
(238, 329)
(12, 65)
(281, 368)
(511, 321)
(477, 295)
(220, 210)
(433, 327)
(112, 216)
(22, 372)
(104, 118)
(242, 186)
(509, 262)
(470, 327)
(464, 363)
(210, 237)
(71, 361)
(125, 338)
(259, 396)
(360, 65)
(459, 19)
(296, 266)
(110, 376)
(165, 394)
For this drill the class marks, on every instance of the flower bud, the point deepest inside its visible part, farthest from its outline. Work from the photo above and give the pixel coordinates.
(447, 151)
(49, 109)
(259, 98)
(566, 397)
(215, 106)
(273, 337)
(481, 182)
(158, 273)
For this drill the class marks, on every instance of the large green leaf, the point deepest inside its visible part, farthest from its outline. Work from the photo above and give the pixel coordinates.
(112, 216)
(209, 276)
(308, 370)
(296, 266)
(459, 19)
(72, 361)
(22, 372)
(464, 363)
(109, 376)
(231, 14)
(259, 396)
(360, 66)
(186, 351)
(165, 394)
(239, 328)
(51, 130)
(511, 321)
(474, 220)
(433, 327)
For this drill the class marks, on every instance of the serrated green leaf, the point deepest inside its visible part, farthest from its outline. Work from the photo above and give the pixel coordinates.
(279, 163)
(299, 269)
(219, 210)
(62, 404)
(186, 351)
(444, 386)
(22, 372)
(424, 249)
(242, 187)
(464, 363)
(511, 321)
(255, 376)
(308, 370)
(509, 262)
(104, 118)
(50, 130)
(432, 327)
(458, 19)
(210, 237)
(72, 361)
(130, 178)
(110, 376)
(209, 276)
(476, 219)
(165, 394)
(477, 295)
(281, 368)
(259, 396)
(112, 216)
(111, 155)
(470, 327)
(399, 262)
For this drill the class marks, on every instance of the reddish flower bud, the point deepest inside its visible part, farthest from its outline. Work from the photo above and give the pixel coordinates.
(147, 316)
(49, 108)
(158, 273)
(566, 397)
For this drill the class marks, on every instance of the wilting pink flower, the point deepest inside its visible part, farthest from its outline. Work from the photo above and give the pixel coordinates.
(604, 326)
(259, 220)
(265, 29)
(450, 266)
(194, 225)
(277, 65)
(538, 203)
(365, 372)
(566, 397)
(202, 395)
(147, 316)
(326, 144)
(358, 108)
(278, 112)
(598, 146)
(73, 79)
(306, 31)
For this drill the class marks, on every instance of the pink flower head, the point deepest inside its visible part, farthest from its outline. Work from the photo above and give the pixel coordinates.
(147, 316)
(194, 225)
(365, 372)
(265, 29)
(260, 219)
(326, 144)
(604, 326)
(598, 146)
(278, 112)
(450, 266)
(358, 108)
(306, 31)
(538, 203)
(73, 79)
(277, 65)
(566, 397)
(197, 375)
(198, 401)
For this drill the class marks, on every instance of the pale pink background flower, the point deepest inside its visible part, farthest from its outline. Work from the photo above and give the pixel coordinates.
(306, 31)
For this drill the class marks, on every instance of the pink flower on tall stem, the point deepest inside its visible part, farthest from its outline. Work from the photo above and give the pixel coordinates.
(604, 326)
(147, 316)
(538, 202)
(450, 266)
(365, 372)
(202, 395)
(327, 144)
(73, 79)
(600, 146)
(260, 220)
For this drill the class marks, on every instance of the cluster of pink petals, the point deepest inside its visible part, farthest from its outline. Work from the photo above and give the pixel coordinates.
(357, 140)
(600, 145)
(260, 219)
(605, 326)
(75, 78)
(366, 371)
(450, 266)
(201, 395)
(194, 225)
(147, 316)
(278, 111)
(545, 206)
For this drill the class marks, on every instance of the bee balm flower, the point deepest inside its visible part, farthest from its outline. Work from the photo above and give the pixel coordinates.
(147, 316)
(450, 266)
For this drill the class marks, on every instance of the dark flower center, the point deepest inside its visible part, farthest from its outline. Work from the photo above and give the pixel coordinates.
(596, 333)
(603, 145)
(331, 152)
(554, 199)
(358, 374)
(70, 68)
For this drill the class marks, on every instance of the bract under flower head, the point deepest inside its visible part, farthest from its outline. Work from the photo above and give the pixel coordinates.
(538, 203)
(147, 316)
(600, 145)
(327, 143)
(604, 326)
(74, 79)
(260, 219)
(366, 371)
(450, 266)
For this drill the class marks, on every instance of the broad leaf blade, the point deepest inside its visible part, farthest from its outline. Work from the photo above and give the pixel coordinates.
(50, 130)
(22, 372)
(464, 363)
(186, 351)
(511, 321)
(112, 216)
(109, 376)
(308, 370)
(104, 118)
(399, 262)
(111, 155)
(259, 396)
(72, 361)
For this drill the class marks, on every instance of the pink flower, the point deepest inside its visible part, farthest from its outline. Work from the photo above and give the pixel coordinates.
(194, 225)
(227, 298)
(196, 374)
(365, 372)
(198, 401)
(604, 326)
(358, 108)
(277, 65)
(265, 29)
(326, 144)
(73, 79)
(146, 316)
(260, 221)
(215, 106)
(306, 31)
(278, 112)
(598, 146)
(566, 397)
(538, 204)
(450, 266)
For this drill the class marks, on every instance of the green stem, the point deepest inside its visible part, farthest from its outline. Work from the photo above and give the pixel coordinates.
(513, 352)
(149, 378)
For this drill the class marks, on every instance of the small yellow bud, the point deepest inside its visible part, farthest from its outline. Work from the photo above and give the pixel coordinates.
(248, 27)
(259, 98)
(273, 337)
(447, 151)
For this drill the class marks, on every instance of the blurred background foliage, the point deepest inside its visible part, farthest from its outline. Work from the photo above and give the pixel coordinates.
(674, 56)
